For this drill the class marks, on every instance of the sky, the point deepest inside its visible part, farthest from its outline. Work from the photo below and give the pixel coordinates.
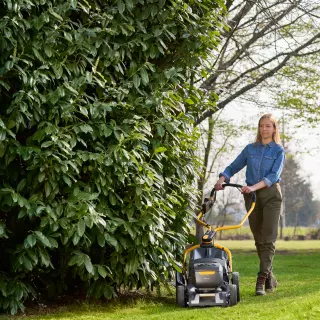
(304, 143)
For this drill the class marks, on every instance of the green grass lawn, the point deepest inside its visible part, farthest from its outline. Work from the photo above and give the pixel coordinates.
(296, 265)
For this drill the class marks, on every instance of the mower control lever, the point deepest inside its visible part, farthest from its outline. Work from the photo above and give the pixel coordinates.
(208, 236)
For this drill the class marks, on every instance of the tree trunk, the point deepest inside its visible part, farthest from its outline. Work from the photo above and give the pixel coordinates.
(283, 186)
(203, 177)
(283, 213)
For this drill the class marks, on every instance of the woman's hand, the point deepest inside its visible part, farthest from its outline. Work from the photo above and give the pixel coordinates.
(247, 189)
(218, 186)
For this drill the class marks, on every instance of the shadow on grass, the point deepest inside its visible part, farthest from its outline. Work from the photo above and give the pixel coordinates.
(145, 301)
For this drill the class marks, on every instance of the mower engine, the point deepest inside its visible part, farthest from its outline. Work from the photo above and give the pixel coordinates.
(206, 275)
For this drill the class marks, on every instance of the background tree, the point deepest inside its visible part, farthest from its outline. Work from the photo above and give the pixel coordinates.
(216, 142)
(97, 150)
(264, 38)
(301, 208)
(272, 47)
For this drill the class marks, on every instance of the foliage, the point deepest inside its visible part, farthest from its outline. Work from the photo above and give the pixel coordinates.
(97, 148)
(301, 96)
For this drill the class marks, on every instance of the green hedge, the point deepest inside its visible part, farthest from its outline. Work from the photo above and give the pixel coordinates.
(97, 141)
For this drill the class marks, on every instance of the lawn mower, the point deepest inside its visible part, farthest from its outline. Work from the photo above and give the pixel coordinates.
(207, 277)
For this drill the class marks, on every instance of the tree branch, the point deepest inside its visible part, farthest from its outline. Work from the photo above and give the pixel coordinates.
(262, 78)
(208, 84)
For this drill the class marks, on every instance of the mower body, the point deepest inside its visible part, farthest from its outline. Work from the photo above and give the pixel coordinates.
(208, 281)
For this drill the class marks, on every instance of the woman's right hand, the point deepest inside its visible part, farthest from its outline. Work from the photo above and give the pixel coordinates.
(218, 186)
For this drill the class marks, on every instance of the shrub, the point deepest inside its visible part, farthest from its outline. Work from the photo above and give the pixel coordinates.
(97, 141)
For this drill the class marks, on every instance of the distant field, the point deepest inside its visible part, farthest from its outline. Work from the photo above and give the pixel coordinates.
(282, 246)
(287, 232)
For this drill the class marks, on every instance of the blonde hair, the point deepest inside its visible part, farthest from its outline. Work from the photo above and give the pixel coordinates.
(276, 134)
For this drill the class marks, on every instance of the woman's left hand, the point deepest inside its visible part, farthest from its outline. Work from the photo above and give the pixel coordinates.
(247, 189)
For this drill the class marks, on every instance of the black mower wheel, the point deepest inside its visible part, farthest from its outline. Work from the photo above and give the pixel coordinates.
(180, 281)
(233, 294)
(180, 296)
(236, 281)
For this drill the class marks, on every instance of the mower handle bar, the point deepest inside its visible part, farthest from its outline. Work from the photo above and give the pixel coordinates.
(238, 186)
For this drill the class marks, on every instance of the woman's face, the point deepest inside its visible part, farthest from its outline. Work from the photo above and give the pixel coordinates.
(266, 129)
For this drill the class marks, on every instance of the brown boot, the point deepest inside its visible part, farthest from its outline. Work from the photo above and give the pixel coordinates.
(261, 279)
(271, 282)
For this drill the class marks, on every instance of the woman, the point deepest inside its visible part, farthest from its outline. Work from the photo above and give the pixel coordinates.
(264, 160)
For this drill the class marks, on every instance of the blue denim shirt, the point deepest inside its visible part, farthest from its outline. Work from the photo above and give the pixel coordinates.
(264, 163)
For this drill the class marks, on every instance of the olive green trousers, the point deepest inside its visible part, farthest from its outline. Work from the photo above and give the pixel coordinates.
(264, 221)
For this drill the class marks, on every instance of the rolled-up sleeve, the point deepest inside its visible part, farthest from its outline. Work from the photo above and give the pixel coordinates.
(238, 164)
(276, 170)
